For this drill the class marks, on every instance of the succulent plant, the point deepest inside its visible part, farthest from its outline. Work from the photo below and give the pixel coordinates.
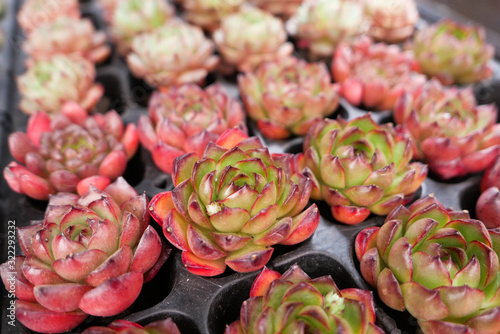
(320, 25)
(134, 17)
(392, 21)
(185, 119)
(359, 167)
(374, 75)
(288, 96)
(174, 54)
(453, 53)
(67, 36)
(438, 264)
(282, 8)
(166, 326)
(233, 204)
(449, 131)
(49, 83)
(69, 152)
(295, 303)
(207, 14)
(488, 207)
(34, 13)
(251, 37)
(89, 256)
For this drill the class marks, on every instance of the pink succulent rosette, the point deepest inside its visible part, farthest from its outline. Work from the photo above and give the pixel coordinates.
(51, 82)
(69, 36)
(69, 152)
(374, 75)
(34, 13)
(229, 207)
(174, 54)
(453, 135)
(392, 21)
(436, 263)
(185, 119)
(166, 326)
(90, 255)
(287, 96)
(249, 38)
(309, 305)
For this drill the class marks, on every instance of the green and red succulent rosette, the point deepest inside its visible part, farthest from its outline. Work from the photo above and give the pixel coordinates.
(231, 205)
(295, 303)
(439, 264)
(359, 167)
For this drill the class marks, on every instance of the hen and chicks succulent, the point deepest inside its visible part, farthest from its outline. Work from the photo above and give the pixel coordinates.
(90, 255)
(231, 205)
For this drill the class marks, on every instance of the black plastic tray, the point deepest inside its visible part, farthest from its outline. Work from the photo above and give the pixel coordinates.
(198, 304)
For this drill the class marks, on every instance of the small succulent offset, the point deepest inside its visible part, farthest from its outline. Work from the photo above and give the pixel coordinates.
(49, 83)
(359, 167)
(288, 96)
(488, 203)
(320, 25)
(295, 303)
(438, 264)
(134, 17)
(207, 14)
(374, 75)
(281, 8)
(453, 53)
(185, 119)
(229, 207)
(89, 256)
(67, 36)
(69, 152)
(251, 37)
(166, 326)
(34, 13)
(174, 54)
(453, 135)
(392, 21)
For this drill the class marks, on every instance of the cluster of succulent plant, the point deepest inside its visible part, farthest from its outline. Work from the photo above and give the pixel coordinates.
(320, 25)
(207, 14)
(69, 152)
(438, 264)
(67, 36)
(166, 326)
(229, 207)
(34, 13)
(295, 303)
(249, 38)
(89, 256)
(392, 21)
(374, 75)
(287, 96)
(132, 18)
(453, 52)
(173, 54)
(281, 8)
(359, 167)
(452, 134)
(50, 83)
(185, 119)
